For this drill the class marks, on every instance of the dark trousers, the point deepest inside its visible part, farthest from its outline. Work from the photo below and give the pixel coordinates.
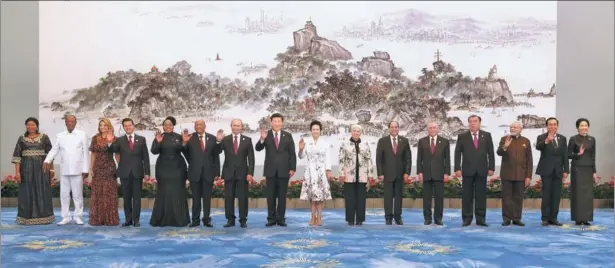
(433, 189)
(551, 194)
(236, 188)
(512, 199)
(276, 198)
(354, 199)
(474, 198)
(131, 193)
(201, 190)
(392, 207)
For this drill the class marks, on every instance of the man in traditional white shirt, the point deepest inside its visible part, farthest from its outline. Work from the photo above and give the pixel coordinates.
(72, 147)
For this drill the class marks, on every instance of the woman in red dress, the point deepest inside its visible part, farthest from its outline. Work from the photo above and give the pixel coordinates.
(103, 200)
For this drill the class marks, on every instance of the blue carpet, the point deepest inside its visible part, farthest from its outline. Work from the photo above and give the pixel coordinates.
(333, 245)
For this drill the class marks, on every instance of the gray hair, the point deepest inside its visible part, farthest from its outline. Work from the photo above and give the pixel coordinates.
(236, 119)
(433, 123)
(518, 123)
(357, 127)
(68, 115)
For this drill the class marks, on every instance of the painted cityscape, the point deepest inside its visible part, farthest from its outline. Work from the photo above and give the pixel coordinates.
(412, 62)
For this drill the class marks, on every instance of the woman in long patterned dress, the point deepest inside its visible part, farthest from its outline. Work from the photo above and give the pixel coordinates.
(582, 151)
(171, 203)
(356, 169)
(315, 187)
(103, 202)
(35, 206)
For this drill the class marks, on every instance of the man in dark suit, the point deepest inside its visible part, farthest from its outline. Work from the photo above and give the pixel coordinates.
(516, 173)
(280, 166)
(133, 165)
(200, 149)
(433, 166)
(237, 172)
(393, 164)
(476, 149)
(553, 168)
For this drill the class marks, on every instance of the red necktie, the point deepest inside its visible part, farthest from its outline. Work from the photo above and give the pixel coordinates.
(277, 142)
(235, 145)
(130, 144)
(395, 145)
(202, 143)
(475, 141)
(433, 146)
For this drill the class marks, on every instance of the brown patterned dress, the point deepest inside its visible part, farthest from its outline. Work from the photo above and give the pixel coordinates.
(103, 202)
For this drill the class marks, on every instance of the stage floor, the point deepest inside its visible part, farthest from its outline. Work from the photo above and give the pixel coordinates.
(335, 244)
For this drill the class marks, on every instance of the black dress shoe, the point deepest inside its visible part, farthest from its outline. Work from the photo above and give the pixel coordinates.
(243, 224)
(586, 223)
(136, 224)
(350, 223)
(578, 223)
(208, 224)
(555, 222)
(545, 223)
(229, 224)
(505, 223)
(389, 222)
(438, 222)
(282, 223)
(466, 223)
(399, 222)
(194, 224)
(519, 223)
(359, 223)
(126, 224)
(427, 222)
(269, 224)
(483, 224)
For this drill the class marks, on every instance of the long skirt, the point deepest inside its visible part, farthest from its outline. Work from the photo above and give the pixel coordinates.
(582, 193)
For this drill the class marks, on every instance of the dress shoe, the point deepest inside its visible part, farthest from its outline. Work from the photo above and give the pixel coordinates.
(269, 224)
(389, 222)
(194, 224)
(505, 223)
(438, 222)
(359, 223)
(466, 223)
(545, 223)
(137, 224)
(229, 224)
(427, 222)
(519, 223)
(399, 222)
(350, 223)
(208, 224)
(556, 223)
(126, 224)
(64, 221)
(483, 224)
(282, 223)
(243, 224)
(586, 223)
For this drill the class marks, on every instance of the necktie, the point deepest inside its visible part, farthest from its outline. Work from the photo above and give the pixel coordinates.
(475, 141)
(555, 140)
(277, 141)
(235, 145)
(394, 145)
(433, 146)
(202, 143)
(130, 144)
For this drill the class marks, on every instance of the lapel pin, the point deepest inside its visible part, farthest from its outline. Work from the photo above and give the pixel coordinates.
(482, 136)
(439, 141)
(243, 139)
(589, 139)
(524, 145)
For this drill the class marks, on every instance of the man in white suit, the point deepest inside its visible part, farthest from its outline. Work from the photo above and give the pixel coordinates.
(72, 147)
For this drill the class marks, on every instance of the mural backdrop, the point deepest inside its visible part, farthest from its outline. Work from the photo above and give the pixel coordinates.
(339, 62)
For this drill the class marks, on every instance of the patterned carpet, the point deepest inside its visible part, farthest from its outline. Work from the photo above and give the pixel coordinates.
(333, 245)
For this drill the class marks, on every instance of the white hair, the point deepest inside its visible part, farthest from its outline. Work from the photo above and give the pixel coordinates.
(518, 123)
(357, 127)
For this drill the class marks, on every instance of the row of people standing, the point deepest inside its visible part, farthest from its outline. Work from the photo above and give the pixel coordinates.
(473, 161)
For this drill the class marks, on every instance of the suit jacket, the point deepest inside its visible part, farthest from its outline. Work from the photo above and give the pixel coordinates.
(202, 164)
(390, 165)
(433, 166)
(73, 151)
(134, 161)
(553, 160)
(475, 161)
(517, 163)
(278, 161)
(238, 165)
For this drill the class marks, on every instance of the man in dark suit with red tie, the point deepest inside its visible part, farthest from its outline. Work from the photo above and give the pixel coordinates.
(433, 166)
(474, 160)
(393, 164)
(132, 167)
(203, 167)
(237, 172)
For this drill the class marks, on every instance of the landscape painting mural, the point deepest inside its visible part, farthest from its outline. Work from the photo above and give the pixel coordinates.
(342, 63)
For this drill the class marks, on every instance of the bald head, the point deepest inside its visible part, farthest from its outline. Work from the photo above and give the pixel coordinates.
(199, 126)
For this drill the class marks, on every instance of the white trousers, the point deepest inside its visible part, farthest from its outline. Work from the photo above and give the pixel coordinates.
(68, 184)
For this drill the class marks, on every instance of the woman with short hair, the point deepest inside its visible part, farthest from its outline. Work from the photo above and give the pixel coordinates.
(582, 151)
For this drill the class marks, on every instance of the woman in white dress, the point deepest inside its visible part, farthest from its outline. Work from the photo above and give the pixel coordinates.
(315, 186)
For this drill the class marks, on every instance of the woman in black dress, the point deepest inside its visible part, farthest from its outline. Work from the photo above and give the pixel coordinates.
(171, 204)
(582, 151)
(35, 206)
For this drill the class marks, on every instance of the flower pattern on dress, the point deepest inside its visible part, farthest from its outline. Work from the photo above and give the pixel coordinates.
(348, 158)
(315, 185)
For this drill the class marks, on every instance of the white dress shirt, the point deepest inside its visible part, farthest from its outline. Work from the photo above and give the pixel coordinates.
(435, 139)
(73, 149)
(238, 139)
